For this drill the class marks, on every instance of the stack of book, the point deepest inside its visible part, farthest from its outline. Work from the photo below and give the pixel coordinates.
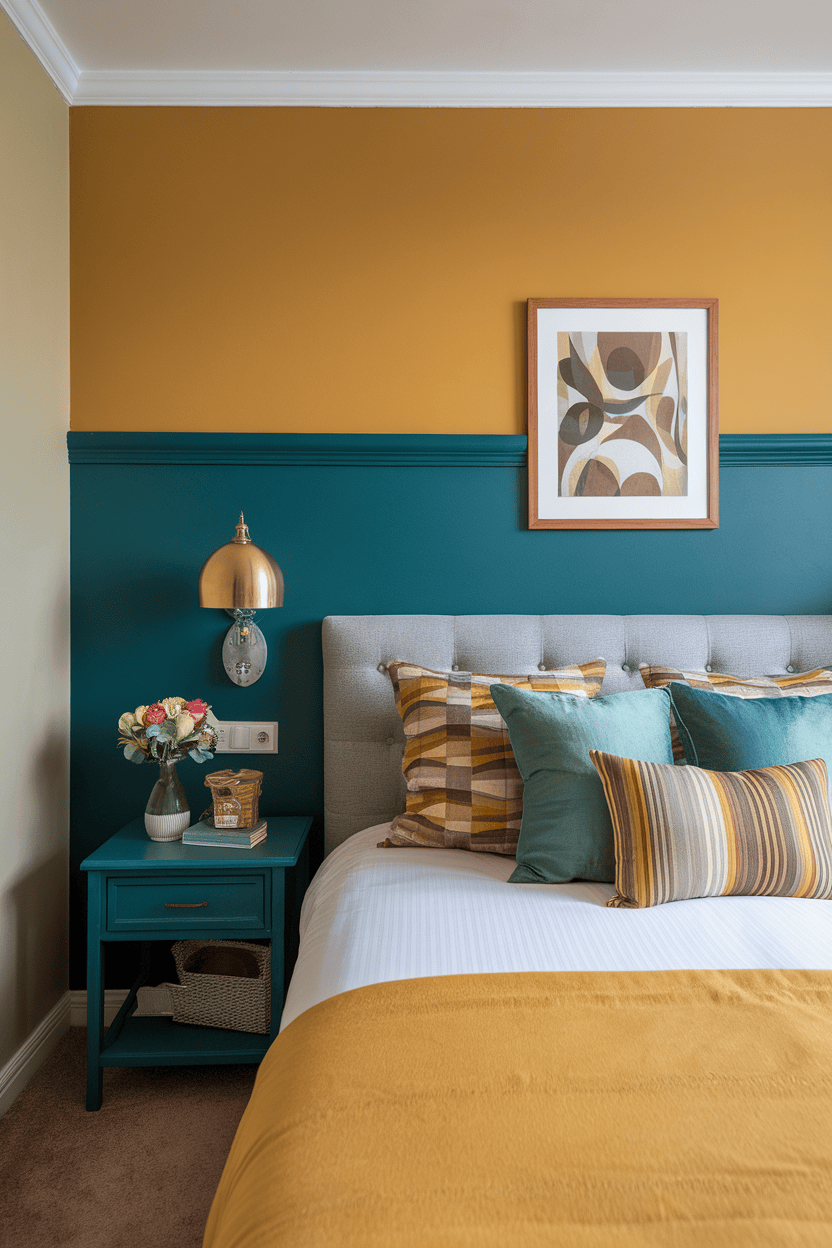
(204, 833)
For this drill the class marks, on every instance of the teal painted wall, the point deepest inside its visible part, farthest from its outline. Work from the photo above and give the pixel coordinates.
(447, 535)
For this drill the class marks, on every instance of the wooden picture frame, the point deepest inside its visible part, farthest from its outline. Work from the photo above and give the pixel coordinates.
(623, 414)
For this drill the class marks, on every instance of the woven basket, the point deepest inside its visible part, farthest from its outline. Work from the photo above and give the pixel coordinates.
(236, 797)
(222, 1000)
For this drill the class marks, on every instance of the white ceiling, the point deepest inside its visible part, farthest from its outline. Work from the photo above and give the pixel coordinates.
(539, 52)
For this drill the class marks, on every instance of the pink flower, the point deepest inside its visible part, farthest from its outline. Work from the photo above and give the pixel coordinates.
(197, 709)
(155, 714)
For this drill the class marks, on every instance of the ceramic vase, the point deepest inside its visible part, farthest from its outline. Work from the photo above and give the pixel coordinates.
(167, 813)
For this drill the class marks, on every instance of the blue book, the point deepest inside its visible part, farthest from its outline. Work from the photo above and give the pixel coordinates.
(204, 833)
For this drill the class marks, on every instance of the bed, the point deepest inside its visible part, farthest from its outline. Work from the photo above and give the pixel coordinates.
(467, 1062)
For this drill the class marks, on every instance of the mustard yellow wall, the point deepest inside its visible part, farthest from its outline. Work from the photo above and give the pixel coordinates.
(365, 270)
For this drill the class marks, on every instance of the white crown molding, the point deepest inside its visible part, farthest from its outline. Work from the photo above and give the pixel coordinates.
(456, 90)
(39, 33)
(33, 1052)
(399, 89)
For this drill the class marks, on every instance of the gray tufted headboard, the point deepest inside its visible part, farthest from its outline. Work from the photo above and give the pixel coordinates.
(363, 738)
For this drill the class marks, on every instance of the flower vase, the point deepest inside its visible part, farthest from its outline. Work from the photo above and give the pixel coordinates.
(167, 813)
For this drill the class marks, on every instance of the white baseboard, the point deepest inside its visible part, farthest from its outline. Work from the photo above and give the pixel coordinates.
(33, 1052)
(114, 998)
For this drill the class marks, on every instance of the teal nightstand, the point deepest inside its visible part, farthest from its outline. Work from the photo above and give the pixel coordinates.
(149, 890)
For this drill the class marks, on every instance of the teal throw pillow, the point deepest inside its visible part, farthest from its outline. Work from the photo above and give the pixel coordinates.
(723, 733)
(566, 832)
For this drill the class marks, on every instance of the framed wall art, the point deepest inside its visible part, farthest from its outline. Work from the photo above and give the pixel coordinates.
(623, 426)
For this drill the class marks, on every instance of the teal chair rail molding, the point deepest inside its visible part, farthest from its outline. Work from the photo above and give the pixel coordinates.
(775, 449)
(392, 449)
(318, 450)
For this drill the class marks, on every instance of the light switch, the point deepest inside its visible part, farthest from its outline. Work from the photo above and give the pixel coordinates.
(240, 737)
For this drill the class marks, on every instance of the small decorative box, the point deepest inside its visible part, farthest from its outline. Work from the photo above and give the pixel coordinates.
(236, 797)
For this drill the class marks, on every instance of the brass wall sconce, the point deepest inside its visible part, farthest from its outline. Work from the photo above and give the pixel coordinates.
(242, 578)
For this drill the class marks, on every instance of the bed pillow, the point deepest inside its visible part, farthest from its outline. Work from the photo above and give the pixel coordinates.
(682, 832)
(463, 787)
(566, 833)
(803, 684)
(736, 734)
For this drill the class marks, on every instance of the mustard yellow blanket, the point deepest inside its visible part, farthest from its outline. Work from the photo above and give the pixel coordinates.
(691, 1109)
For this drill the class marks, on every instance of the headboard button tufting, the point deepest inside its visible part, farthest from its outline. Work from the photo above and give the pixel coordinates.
(708, 667)
(790, 668)
(364, 776)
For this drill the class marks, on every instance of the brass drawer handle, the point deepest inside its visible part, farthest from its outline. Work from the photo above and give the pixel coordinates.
(185, 905)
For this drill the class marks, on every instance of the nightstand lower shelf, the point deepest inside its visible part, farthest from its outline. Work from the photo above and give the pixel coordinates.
(161, 1042)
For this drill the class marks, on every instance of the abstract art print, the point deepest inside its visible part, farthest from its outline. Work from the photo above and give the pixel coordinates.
(623, 413)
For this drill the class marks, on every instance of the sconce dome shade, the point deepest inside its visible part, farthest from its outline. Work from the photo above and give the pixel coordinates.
(240, 575)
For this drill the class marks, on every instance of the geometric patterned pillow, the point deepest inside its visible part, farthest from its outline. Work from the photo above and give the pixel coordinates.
(683, 832)
(799, 684)
(464, 790)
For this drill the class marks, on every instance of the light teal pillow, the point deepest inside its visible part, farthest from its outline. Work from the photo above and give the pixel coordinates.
(721, 733)
(566, 832)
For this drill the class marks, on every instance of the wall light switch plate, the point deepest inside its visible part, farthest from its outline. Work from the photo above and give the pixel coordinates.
(245, 737)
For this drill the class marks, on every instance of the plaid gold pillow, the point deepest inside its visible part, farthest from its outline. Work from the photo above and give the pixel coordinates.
(798, 684)
(464, 790)
(683, 832)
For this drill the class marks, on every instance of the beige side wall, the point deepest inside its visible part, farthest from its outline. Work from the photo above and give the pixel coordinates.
(34, 542)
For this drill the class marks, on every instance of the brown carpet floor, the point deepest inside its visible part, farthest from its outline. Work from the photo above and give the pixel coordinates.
(141, 1171)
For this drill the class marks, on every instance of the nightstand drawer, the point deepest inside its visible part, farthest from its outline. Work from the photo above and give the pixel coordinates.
(155, 904)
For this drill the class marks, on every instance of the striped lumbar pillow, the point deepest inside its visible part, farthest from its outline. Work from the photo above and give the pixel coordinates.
(682, 832)
(798, 684)
(464, 790)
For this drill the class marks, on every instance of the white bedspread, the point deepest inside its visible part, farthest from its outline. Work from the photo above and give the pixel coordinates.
(372, 915)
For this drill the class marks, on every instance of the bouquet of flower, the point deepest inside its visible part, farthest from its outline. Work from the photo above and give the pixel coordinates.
(170, 729)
